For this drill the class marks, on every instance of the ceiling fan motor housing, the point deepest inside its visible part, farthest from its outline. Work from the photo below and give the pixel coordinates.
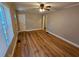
(42, 6)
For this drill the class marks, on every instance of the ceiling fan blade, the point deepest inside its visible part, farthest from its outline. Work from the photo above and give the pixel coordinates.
(48, 6)
(47, 9)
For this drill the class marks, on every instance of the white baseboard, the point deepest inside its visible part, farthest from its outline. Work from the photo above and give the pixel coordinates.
(30, 30)
(33, 29)
(72, 43)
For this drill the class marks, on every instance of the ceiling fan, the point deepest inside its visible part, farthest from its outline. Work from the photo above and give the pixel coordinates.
(44, 8)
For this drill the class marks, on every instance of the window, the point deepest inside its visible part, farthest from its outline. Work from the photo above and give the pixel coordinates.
(6, 31)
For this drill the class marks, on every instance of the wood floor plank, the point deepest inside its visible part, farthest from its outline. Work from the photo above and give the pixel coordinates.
(57, 50)
(42, 44)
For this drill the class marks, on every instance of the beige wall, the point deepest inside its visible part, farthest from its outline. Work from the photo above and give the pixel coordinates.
(65, 23)
(33, 21)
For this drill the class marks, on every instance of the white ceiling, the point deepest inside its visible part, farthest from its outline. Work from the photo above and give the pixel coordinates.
(34, 6)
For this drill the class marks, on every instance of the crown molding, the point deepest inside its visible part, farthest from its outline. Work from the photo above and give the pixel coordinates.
(73, 5)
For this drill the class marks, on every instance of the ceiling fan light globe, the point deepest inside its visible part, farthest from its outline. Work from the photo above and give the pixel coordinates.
(41, 10)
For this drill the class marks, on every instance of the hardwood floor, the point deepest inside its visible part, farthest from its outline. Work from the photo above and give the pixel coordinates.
(42, 44)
